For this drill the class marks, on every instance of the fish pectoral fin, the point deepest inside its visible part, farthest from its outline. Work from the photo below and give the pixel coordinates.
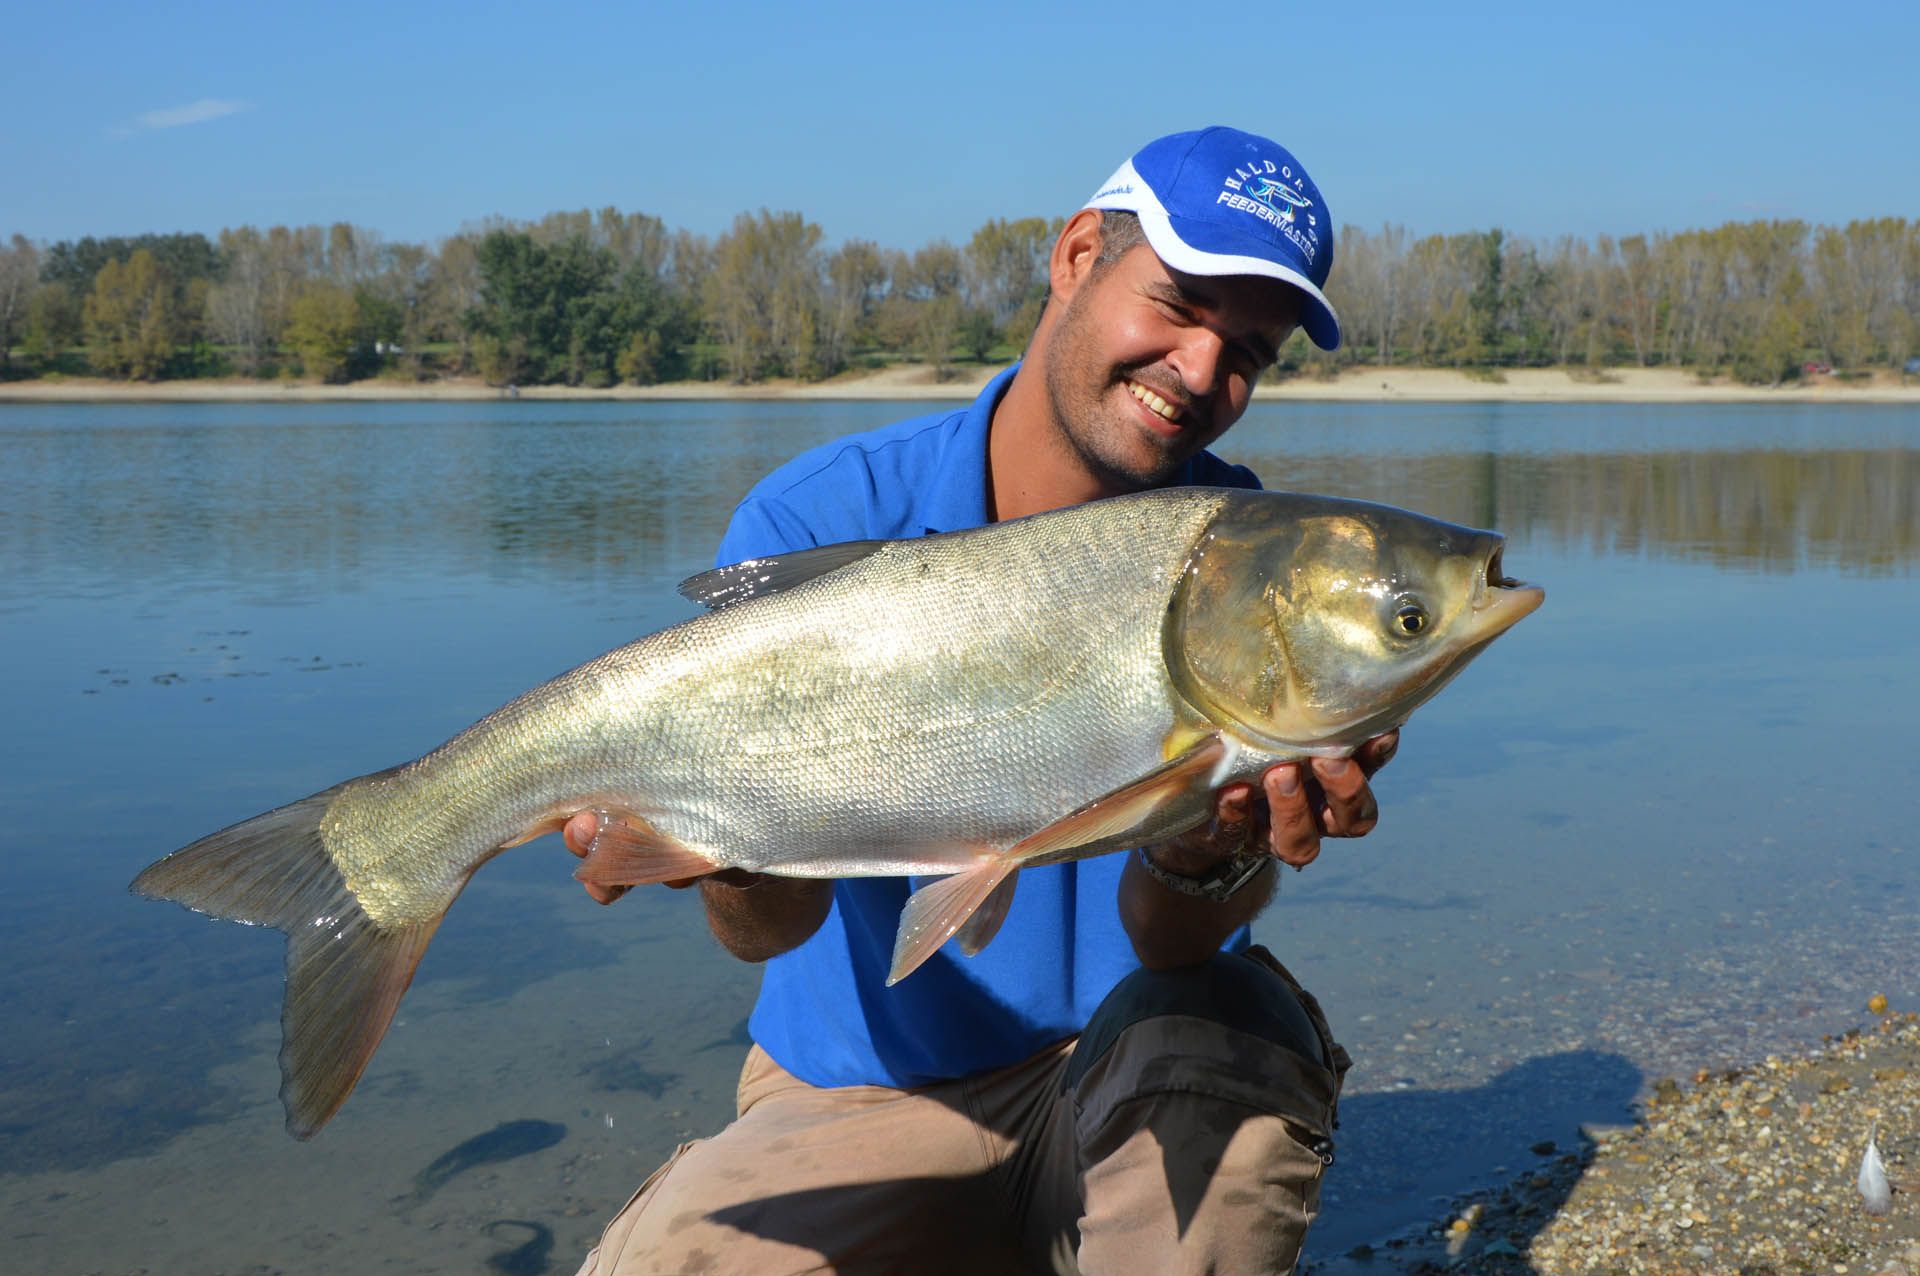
(725, 586)
(978, 930)
(936, 911)
(1118, 813)
(628, 851)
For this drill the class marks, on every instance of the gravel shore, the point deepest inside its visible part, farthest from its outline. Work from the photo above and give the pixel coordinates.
(1751, 1171)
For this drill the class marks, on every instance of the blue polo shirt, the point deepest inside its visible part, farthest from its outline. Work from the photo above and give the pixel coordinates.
(825, 1013)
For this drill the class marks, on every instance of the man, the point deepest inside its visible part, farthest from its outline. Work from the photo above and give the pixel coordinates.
(1104, 1088)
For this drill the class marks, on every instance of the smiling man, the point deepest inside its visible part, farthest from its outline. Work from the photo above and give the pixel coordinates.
(1121, 1082)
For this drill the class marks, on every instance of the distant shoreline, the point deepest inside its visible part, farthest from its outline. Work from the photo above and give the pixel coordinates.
(917, 383)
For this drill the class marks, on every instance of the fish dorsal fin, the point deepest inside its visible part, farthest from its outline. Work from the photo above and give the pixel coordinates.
(725, 586)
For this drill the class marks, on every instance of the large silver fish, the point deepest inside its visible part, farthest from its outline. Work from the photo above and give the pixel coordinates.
(964, 705)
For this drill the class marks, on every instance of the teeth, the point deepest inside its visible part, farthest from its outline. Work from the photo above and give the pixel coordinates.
(1152, 400)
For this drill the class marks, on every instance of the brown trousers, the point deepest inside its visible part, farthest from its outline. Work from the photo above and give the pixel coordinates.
(1184, 1131)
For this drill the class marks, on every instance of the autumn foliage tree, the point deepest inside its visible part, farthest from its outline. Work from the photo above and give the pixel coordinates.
(130, 318)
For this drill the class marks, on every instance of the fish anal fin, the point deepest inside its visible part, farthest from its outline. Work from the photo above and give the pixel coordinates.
(936, 911)
(978, 930)
(628, 851)
(1127, 808)
(725, 586)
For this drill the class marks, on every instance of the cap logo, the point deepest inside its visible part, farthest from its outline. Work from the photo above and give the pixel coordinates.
(1260, 189)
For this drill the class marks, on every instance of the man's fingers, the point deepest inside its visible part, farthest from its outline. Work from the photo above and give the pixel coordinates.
(1294, 835)
(1233, 819)
(1377, 752)
(578, 833)
(1350, 810)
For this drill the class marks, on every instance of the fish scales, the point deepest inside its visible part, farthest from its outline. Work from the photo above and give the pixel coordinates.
(853, 728)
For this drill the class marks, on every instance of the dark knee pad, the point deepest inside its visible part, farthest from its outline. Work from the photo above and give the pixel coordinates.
(1244, 991)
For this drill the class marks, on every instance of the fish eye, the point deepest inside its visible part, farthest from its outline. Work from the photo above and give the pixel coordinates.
(1411, 618)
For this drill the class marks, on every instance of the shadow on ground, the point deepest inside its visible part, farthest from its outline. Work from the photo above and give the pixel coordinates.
(1405, 1157)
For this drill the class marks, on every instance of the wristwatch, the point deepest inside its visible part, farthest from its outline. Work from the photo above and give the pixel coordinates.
(1219, 884)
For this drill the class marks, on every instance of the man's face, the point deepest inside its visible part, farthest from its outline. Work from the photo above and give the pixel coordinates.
(1147, 365)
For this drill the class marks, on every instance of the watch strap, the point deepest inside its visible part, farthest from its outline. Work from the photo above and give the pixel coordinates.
(1220, 883)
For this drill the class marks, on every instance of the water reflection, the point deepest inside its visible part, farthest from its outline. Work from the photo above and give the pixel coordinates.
(317, 505)
(1765, 510)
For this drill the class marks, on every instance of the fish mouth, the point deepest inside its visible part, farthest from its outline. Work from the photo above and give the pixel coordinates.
(1498, 599)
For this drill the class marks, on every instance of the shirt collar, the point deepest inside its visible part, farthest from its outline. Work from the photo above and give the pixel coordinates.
(962, 502)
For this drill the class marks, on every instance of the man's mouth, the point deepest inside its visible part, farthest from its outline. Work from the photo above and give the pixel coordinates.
(1153, 401)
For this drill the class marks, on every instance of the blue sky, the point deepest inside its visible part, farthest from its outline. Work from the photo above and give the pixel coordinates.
(903, 124)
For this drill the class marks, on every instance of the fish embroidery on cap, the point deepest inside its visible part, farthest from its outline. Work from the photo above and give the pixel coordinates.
(1259, 188)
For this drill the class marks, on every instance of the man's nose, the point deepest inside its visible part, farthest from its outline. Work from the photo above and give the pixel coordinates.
(1197, 360)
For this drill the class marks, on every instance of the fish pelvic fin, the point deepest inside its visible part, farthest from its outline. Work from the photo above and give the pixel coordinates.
(938, 910)
(628, 851)
(345, 971)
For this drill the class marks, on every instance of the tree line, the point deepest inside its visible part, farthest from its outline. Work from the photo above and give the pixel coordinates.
(597, 298)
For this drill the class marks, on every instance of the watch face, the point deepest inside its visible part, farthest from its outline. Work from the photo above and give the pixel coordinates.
(1237, 872)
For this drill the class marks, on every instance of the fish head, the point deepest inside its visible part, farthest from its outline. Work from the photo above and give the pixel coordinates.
(1317, 622)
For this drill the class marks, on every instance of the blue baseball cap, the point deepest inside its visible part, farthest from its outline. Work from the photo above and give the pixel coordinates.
(1224, 202)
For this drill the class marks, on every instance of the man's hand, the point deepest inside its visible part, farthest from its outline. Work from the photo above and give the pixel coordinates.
(579, 832)
(754, 915)
(1294, 807)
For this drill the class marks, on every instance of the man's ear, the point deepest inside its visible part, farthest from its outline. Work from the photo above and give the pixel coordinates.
(1074, 253)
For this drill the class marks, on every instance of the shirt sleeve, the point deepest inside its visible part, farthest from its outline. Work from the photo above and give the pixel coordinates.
(1214, 472)
(761, 529)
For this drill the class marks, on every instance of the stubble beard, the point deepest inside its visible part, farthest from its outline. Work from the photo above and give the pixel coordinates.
(1095, 430)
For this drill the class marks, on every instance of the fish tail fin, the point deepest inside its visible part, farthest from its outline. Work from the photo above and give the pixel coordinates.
(345, 971)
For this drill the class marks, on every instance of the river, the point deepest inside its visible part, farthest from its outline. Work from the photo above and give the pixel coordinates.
(1668, 823)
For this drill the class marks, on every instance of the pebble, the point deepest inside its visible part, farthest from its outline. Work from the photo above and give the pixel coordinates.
(1690, 1189)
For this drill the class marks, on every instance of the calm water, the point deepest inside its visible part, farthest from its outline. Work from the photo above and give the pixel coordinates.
(1667, 823)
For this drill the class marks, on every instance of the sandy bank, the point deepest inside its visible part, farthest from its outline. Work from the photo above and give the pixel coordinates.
(916, 382)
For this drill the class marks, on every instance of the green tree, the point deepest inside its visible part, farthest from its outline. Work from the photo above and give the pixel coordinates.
(130, 318)
(565, 311)
(325, 330)
(976, 333)
(53, 323)
(19, 278)
(640, 361)
(182, 257)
